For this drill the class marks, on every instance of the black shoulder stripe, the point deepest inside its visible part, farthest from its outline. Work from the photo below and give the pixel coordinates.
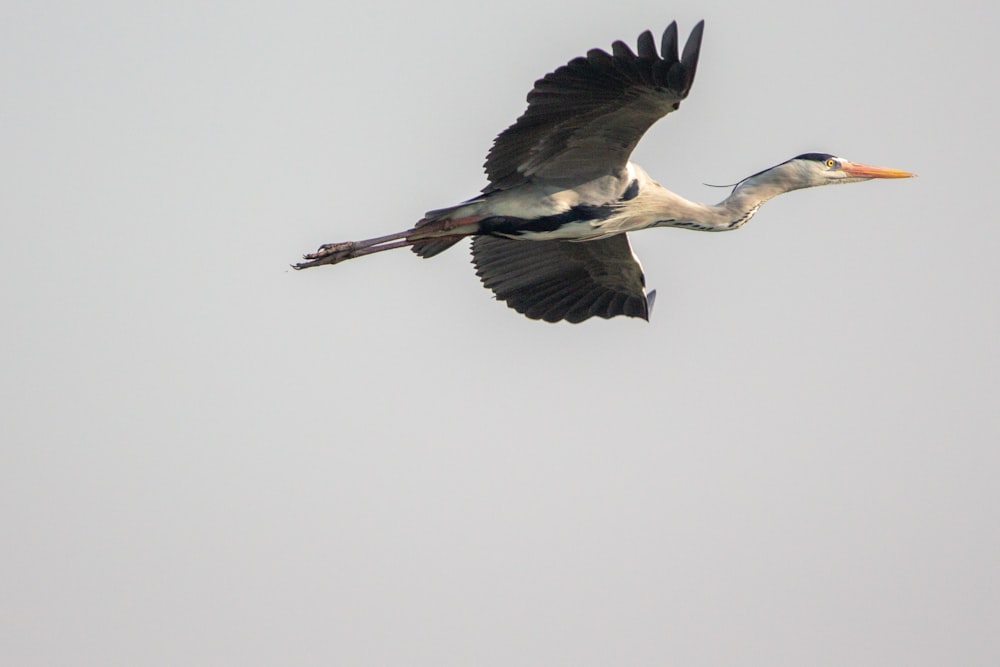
(549, 223)
(631, 192)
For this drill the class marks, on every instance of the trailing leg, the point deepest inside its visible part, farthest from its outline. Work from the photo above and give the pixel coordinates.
(427, 240)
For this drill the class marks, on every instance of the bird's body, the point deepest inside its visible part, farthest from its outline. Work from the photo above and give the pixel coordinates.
(550, 228)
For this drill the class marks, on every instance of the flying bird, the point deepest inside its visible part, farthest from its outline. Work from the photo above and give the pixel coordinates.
(550, 229)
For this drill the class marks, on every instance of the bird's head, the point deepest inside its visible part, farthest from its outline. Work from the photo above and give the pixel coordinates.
(812, 169)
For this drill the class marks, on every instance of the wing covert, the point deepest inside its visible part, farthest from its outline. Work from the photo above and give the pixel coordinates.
(584, 119)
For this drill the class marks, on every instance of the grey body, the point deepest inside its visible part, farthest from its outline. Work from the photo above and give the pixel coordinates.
(551, 225)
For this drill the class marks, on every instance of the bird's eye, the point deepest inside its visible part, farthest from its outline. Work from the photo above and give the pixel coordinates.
(831, 163)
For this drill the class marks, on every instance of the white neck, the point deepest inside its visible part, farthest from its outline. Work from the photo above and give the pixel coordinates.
(731, 213)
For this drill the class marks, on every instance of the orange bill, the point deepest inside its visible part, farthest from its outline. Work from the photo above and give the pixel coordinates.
(868, 171)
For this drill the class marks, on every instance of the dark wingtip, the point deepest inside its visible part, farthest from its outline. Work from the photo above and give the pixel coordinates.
(650, 300)
(668, 46)
(647, 46)
(622, 50)
(595, 56)
(693, 46)
(691, 50)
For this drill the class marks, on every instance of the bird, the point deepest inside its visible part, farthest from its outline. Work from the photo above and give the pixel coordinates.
(550, 229)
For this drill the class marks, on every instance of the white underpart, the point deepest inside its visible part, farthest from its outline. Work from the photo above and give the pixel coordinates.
(653, 206)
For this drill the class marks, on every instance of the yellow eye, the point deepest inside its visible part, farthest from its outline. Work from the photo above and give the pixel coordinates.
(831, 163)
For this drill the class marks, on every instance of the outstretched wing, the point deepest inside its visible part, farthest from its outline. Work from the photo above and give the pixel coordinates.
(584, 119)
(564, 280)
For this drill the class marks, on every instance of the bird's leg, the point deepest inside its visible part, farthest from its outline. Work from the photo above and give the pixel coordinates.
(347, 246)
(334, 253)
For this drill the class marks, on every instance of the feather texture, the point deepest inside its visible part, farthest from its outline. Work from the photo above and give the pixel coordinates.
(584, 119)
(563, 280)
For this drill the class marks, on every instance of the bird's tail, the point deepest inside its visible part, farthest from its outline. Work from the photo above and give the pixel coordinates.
(430, 236)
(432, 247)
(443, 219)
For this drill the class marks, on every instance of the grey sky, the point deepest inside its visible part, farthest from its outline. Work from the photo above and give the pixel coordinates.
(208, 458)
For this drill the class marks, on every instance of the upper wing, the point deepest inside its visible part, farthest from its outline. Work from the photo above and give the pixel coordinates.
(584, 119)
(564, 280)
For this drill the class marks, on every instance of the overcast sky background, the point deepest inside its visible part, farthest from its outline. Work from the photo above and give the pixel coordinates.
(208, 458)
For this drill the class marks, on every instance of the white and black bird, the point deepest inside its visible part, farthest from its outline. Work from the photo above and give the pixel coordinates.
(550, 229)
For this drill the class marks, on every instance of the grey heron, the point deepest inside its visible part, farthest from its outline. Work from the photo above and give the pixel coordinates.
(550, 228)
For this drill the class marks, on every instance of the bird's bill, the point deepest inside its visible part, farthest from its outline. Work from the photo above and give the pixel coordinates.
(856, 170)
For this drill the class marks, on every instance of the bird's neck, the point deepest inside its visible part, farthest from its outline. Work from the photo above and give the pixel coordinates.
(745, 199)
(731, 213)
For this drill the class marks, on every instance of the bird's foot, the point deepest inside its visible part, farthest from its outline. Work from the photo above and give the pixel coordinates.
(328, 249)
(329, 253)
